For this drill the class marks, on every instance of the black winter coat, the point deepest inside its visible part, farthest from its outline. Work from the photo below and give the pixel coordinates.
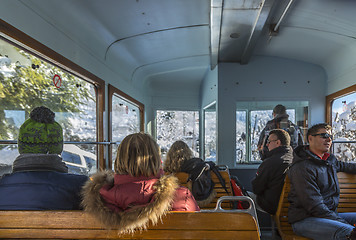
(269, 179)
(314, 185)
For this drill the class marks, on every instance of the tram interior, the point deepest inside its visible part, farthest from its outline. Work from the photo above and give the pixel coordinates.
(217, 56)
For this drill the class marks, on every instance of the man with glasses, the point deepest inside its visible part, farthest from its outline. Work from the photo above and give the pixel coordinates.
(314, 194)
(269, 180)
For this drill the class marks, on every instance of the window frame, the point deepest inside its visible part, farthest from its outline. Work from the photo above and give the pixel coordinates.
(329, 102)
(330, 99)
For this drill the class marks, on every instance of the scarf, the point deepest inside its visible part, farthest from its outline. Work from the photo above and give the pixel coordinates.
(39, 162)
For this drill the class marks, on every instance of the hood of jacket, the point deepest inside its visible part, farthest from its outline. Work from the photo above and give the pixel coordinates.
(134, 215)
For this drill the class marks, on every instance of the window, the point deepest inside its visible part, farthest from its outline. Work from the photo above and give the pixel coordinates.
(126, 117)
(344, 127)
(71, 158)
(251, 118)
(241, 136)
(26, 82)
(90, 162)
(125, 121)
(210, 133)
(177, 125)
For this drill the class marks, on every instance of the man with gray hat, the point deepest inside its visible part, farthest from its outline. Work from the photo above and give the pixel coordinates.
(39, 178)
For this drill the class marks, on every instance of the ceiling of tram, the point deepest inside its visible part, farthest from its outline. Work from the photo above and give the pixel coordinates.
(153, 40)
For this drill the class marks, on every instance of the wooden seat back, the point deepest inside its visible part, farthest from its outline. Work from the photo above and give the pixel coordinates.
(347, 183)
(220, 191)
(219, 224)
(281, 217)
(347, 203)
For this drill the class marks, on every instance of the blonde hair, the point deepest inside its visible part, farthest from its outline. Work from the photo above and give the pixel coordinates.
(176, 156)
(138, 155)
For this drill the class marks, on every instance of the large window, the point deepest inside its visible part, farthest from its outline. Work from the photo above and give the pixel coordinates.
(251, 118)
(26, 82)
(177, 125)
(344, 127)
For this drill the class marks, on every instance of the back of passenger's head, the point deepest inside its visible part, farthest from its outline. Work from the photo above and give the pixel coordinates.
(315, 129)
(176, 156)
(138, 155)
(282, 135)
(40, 133)
(279, 109)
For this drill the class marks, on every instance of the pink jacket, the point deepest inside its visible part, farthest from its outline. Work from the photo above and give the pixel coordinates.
(129, 191)
(134, 201)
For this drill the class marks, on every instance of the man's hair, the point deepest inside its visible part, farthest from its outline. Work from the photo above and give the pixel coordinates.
(176, 156)
(315, 128)
(138, 155)
(282, 135)
(279, 109)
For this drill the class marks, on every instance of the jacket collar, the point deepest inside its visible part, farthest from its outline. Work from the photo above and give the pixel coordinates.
(135, 218)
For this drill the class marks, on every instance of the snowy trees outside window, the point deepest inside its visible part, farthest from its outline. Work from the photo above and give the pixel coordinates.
(210, 136)
(177, 125)
(26, 82)
(344, 127)
(125, 120)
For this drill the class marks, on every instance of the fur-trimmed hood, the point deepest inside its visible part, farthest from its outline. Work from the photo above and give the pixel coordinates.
(161, 196)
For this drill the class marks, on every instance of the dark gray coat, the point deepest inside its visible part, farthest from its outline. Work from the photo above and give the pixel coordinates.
(314, 185)
(269, 179)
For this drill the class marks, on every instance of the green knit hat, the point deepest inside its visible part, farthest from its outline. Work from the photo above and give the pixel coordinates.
(40, 133)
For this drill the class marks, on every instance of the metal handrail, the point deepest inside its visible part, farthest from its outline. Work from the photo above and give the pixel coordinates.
(250, 210)
(65, 142)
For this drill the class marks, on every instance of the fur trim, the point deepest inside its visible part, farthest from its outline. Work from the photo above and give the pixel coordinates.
(136, 218)
(205, 202)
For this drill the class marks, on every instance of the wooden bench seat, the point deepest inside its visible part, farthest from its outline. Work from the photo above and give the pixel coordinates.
(216, 224)
(183, 178)
(347, 203)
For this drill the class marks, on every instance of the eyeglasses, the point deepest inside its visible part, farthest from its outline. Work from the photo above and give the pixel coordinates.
(324, 135)
(269, 141)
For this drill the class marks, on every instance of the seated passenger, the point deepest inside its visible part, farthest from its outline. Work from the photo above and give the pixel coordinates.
(180, 158)
(268, 183)
(138, 192)
(39, 178)
(315, 191)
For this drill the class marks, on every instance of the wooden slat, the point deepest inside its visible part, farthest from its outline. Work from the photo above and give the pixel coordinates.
(102, 234)
(81, 225)
(281, 217)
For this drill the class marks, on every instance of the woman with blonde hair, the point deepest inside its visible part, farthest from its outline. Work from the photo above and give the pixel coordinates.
(138, 192)
(180, 158)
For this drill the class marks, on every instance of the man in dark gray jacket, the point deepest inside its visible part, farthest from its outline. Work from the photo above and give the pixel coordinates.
(270, 175)
(314, 194)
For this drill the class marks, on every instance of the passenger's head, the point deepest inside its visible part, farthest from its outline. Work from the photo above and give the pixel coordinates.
(319, 137)
(138, 155)
(176, 156)
(276, 138)
(40, 133)
(279, 109)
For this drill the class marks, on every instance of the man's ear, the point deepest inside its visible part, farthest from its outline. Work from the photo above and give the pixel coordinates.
(309, 138)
